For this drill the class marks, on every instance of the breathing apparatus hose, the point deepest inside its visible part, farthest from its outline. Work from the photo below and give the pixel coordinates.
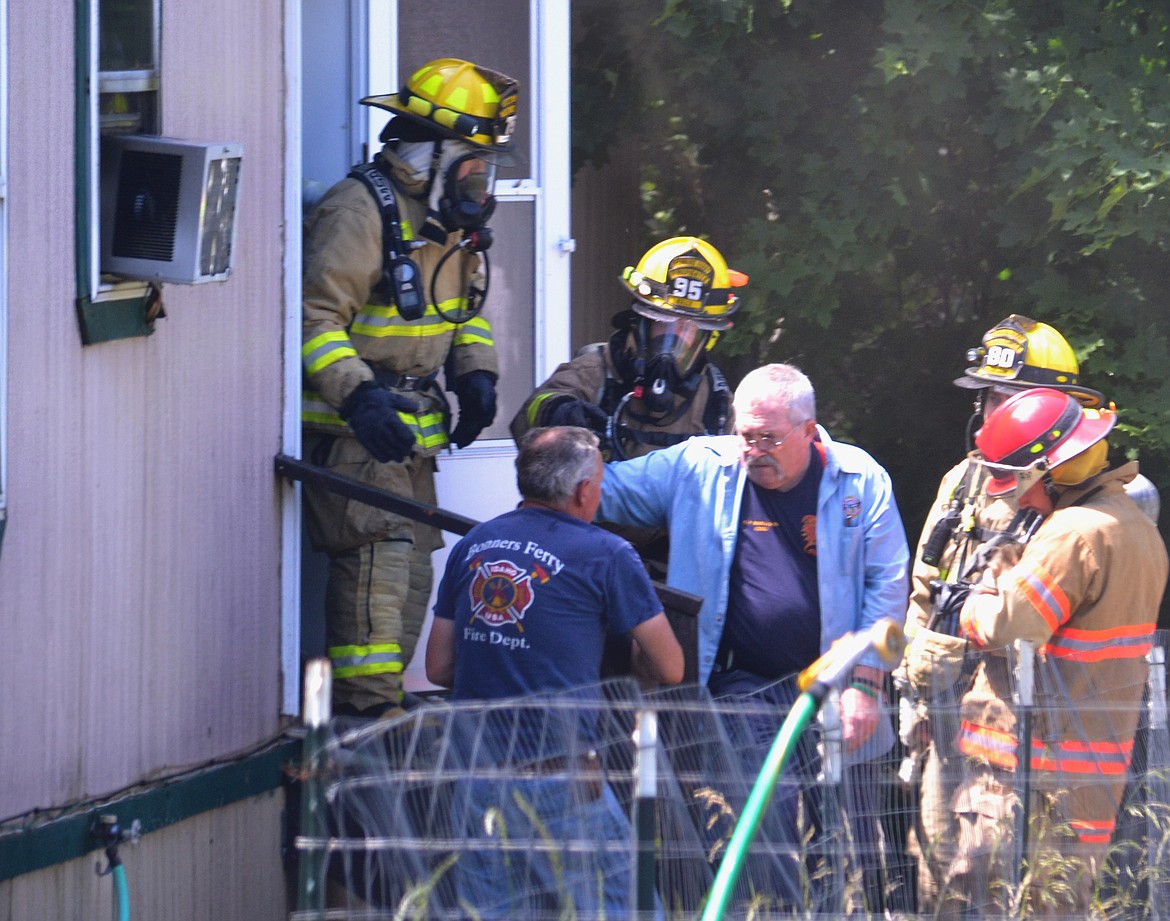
(831, 670)
(612, 424)
(477, 241)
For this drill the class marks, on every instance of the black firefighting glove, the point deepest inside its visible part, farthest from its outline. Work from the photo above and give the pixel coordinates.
(372, 412)
(476, 391)
(578, 412)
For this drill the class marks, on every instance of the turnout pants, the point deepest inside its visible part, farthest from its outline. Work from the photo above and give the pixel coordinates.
(379, 572)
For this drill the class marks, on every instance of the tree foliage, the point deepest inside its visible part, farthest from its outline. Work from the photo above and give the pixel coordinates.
(898, 176)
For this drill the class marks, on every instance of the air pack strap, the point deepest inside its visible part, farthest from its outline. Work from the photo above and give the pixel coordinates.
(374, 177)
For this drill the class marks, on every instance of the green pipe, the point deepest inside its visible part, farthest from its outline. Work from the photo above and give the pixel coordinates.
(799, 716)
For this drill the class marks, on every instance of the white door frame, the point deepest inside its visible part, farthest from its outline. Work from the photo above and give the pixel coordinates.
(548, 189)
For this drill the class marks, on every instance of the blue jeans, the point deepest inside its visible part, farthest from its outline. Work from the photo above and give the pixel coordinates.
(543, 845)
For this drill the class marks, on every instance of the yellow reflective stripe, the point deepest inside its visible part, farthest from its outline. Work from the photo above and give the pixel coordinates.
(315, 409)
(336, 652)
(453, 304)
(379, 320)
(429, 430)
(537, 402)
(475, 330)
(323, 350)
(378, 659)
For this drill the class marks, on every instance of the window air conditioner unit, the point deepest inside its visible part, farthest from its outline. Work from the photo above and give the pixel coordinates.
(168, 208)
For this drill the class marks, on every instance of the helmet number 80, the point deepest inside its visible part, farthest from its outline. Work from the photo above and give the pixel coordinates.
(688, 289)
(999, 356)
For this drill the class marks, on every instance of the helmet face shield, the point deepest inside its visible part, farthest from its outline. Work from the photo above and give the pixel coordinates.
(993, 397)
(1006, 480)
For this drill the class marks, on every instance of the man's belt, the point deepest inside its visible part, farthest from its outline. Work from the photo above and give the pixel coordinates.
(404, 381)
(589, 761)
(584, 768)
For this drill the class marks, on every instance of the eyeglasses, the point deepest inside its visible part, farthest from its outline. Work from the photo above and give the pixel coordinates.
(766, 441)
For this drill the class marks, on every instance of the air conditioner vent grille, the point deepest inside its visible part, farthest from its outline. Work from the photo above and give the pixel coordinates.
(168, 208)
(147, 208)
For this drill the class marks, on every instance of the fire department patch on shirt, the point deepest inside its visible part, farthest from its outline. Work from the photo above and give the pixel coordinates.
(852, 508)
(500, 593)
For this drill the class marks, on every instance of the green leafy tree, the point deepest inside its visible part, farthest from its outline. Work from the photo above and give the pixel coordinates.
(898, 176)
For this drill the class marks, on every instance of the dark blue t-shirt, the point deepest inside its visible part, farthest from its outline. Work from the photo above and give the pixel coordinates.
(532, 594)
(773, 622)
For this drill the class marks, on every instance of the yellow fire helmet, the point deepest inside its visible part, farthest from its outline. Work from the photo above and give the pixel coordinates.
(685, 278)
(1021, 353)
(460, 100)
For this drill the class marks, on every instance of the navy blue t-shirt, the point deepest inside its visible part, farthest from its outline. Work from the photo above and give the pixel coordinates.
(532, 594)
(773, 622)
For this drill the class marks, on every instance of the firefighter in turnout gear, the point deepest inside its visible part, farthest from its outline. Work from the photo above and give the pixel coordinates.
(1016, 354)
(395, 274)
(651, 385)
(1085, 591)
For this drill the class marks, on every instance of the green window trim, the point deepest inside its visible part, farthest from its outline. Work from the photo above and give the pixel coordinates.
(120, 311)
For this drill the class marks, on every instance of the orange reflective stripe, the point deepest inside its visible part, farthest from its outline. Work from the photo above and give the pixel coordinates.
(1075, 757)
(1132, 641)
(1048, 598)
(1093, 832)
(991, 745)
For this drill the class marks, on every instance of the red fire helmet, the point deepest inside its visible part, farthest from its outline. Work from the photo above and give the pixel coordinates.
(1034, 431)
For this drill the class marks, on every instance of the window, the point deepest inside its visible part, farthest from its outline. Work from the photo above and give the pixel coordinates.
(121, 59)
(128, 67)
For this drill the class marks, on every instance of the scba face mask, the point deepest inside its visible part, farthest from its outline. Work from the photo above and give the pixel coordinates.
(461, 192)
(467, 202)
(671, 349)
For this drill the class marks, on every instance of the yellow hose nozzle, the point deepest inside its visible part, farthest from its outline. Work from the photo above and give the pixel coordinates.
(889, 642)
(885, 638)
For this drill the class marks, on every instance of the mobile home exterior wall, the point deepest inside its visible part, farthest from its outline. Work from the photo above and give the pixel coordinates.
(140, 566)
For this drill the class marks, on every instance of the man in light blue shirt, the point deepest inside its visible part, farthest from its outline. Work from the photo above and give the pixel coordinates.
(792, 540)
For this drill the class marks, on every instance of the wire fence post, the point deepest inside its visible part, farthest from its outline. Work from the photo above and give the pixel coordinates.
(832, 775)
(1024, 697)
(1158, 784)
(645, 824)
(313, 841)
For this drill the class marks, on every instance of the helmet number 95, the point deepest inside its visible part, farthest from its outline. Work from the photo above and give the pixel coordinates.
(690, 289)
